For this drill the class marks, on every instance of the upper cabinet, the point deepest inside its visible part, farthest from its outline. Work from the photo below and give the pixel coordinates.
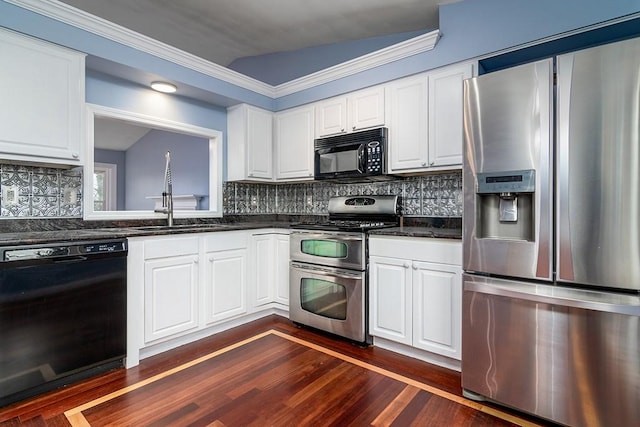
(249, 144)
(42, 103)
(353, 112)
(425, 120)
(254, 135)
(294, 143)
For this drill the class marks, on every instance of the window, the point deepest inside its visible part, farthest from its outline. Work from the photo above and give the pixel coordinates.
(104, 187)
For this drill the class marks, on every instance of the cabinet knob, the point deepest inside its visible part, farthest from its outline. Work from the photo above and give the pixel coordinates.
(424, 163)
(432, 163)
(342, 130)
(354, 128)
(75, 155)
(211, 259)
(406, 265)
(415, 267)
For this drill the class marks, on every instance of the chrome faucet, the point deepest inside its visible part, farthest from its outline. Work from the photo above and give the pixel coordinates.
(167, 193)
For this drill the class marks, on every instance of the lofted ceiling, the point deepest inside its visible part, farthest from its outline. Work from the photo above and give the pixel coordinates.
(222, 31)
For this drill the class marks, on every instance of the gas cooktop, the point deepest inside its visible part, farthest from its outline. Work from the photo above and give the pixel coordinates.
(358, 213)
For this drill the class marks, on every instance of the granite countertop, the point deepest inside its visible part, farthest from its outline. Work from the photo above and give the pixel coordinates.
(71, 231)
(37, 237)
(419, 231)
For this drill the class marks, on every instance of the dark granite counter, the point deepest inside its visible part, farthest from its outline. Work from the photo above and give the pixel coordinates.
(418, 231)
(37, 237)
(25, 232)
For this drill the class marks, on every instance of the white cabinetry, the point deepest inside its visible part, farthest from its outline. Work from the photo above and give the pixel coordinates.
(358, 110)
(445, 114)
(225, 281)
(425, 120)
(294, 143)
(270, 269)
(170, 287)
(249, 144)
(42, 102)
(408, 128)
(416, 293)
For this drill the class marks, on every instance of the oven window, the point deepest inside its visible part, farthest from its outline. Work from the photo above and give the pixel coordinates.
(339, 161)
(324, 298)
(324, 248)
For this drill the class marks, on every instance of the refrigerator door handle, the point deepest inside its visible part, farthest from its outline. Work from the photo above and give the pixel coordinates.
(556, 295)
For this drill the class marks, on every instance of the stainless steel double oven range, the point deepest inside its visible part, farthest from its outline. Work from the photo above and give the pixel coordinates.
(329, 261)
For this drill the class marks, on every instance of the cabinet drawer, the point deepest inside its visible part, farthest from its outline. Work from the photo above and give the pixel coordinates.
(223, 241)
(170, 246)
(442, 251)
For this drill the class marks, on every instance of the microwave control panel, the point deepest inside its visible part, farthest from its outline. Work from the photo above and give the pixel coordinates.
(374, 157)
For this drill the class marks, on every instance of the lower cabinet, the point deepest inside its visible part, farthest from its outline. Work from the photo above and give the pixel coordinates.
(185, 287)
(270, 269)
(416, 293)
(225, 285)
(170, 287)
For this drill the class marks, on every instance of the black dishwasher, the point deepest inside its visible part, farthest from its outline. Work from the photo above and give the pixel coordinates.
(62, 314)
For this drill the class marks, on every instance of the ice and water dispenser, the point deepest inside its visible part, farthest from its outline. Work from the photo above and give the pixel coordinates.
(505, 205)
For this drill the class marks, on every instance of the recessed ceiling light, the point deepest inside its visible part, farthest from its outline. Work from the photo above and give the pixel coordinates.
(163, 87)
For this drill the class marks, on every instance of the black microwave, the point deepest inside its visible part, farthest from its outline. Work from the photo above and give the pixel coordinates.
(353, 155)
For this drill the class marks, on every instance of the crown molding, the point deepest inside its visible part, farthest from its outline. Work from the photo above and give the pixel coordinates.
(77, 18)
(413, 46)
(101, 27)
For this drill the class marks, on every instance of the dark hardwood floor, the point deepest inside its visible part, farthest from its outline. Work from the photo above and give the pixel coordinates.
(268, 372)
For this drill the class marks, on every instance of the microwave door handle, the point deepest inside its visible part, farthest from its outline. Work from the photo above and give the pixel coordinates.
(361, 158)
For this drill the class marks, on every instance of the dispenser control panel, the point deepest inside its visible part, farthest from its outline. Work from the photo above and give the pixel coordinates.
(522, 181)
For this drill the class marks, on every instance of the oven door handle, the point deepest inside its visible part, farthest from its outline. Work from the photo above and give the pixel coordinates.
(305, 235)
(326, 272)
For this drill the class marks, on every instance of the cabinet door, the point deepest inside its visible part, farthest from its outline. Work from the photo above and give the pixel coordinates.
(408, 130)
(259, 144)
(282, 269)
(366, 109)
(170, 296)
(294, 144)
(445, 115)
(437, 299)
(390, 299)
(263, 269)
(42, 102)
(331, 117)
(225, 286)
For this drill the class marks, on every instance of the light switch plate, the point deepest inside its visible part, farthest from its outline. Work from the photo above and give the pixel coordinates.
(10, 195)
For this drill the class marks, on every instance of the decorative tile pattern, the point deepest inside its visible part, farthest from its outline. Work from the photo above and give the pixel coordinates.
(433, 195)
(42, 192)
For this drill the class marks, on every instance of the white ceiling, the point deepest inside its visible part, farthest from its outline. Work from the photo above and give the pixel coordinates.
(116, 134)
(224, 30)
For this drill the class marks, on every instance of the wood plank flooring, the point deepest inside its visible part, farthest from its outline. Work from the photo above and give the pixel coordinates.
(268, 372)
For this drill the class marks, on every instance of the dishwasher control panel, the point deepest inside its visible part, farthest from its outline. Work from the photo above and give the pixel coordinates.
(58, 250)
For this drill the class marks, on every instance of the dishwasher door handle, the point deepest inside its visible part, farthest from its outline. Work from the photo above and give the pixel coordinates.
(79, 258)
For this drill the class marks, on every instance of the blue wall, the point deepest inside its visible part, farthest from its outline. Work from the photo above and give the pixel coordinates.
(34, 24)
(117, 158)
(281, 67)
(145, 164)
(472, 28)
(469, 28)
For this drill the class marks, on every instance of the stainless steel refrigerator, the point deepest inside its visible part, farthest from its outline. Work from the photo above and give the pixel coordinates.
(551, 233)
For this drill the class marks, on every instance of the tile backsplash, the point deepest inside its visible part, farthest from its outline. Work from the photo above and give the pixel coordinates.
(433, 195)
(40, 192)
